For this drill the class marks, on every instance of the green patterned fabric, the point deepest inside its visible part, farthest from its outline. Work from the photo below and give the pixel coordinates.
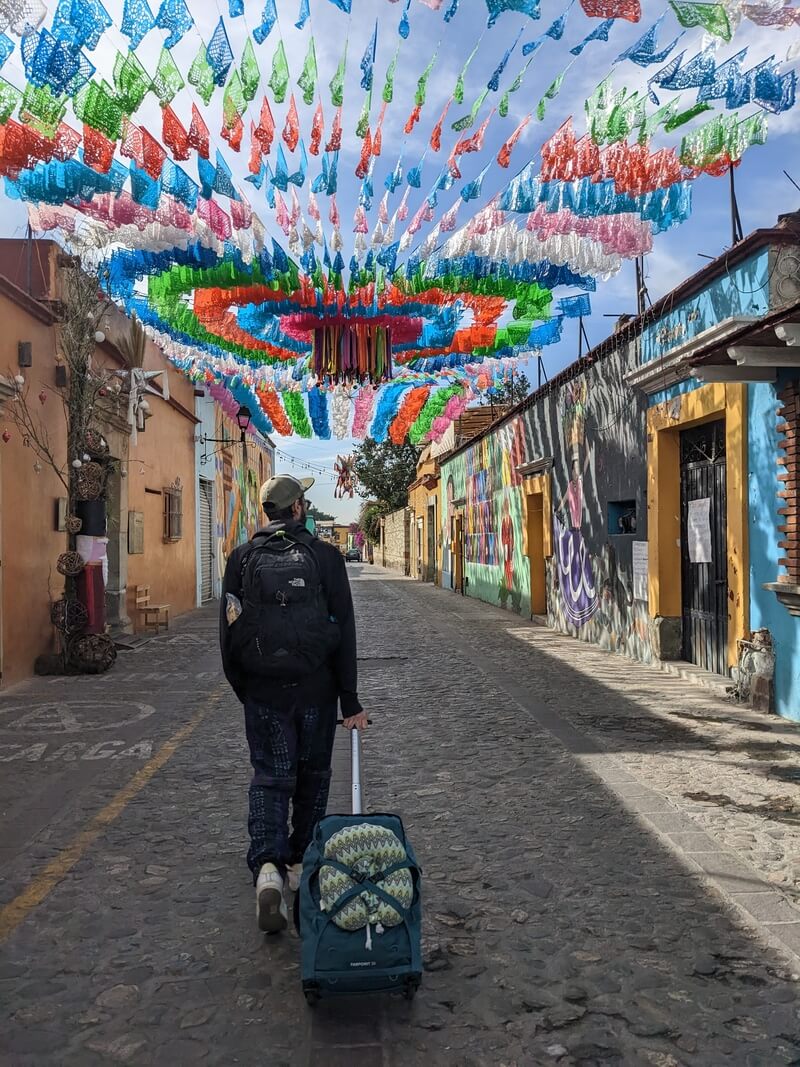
(368, 850)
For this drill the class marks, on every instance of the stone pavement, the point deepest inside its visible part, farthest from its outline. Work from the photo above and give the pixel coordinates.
(610, 859)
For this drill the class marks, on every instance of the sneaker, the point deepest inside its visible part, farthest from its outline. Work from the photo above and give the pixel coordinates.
(293, 875)
(270, 905)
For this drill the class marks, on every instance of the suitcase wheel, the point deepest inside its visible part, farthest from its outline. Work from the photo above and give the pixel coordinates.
(410, 989)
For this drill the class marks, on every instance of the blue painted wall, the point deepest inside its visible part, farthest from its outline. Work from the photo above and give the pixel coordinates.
(765, 608)
(744, 290)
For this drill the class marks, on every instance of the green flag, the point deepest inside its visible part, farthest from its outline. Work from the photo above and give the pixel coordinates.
(279, 79)
(467, 121)
(676, 121)
(9, 98)
(132, 81)
(308, 78)
(422, 84)
(167, 80)
(337, 81)
(388, 85)
(201, 76)
(458, 92)
(712, 17)
(234, 103)
(363, 121)
(96, 104)
(551, 92)
(41, 110)
(502, 107)
(249, 73)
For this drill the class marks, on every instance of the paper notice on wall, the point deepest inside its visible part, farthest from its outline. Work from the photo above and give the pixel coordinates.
(640, 562)
(698, 530)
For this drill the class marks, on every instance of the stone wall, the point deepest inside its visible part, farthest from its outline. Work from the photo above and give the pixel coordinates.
(396, 541)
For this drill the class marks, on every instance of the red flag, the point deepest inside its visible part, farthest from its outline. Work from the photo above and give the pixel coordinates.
(198, 133)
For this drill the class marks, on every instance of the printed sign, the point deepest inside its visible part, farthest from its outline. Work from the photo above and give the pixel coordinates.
(640, 570)
(698, 530)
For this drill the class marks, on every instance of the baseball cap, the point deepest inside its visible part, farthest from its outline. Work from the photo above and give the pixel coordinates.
(282, 490)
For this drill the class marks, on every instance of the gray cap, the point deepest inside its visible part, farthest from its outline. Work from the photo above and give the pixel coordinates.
(282, 490)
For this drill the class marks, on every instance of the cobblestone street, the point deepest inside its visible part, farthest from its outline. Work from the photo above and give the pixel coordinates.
(611, 858)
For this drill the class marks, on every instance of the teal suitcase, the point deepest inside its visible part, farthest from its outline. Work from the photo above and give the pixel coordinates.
(337, 962)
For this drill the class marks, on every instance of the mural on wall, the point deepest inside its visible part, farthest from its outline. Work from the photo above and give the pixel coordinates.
(238, 511)
(597, 438)
(594, 428)
(486, 477)
(574, 565)
(448, 513)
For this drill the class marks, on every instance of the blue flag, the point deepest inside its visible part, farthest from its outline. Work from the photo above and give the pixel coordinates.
(368, 60)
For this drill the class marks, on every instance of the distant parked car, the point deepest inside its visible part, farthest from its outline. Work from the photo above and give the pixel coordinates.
(353, 555)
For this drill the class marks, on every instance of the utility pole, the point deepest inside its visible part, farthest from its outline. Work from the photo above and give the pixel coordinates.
(641, 286)
(582, 337)
(737, 233)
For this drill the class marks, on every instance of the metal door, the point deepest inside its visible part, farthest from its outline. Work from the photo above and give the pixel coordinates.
(206, 541)
(704, 584)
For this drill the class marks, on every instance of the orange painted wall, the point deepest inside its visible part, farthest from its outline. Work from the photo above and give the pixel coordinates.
(162, 454)
(30, 544)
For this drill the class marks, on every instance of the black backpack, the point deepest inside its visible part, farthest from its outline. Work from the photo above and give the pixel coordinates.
(285, 630)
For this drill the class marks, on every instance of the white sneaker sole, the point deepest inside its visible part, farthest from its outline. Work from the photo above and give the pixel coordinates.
(271, 911)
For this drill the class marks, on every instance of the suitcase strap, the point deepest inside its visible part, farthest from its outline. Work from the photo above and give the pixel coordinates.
(369, 884)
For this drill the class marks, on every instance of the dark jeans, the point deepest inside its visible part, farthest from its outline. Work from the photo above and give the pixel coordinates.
(290, 750)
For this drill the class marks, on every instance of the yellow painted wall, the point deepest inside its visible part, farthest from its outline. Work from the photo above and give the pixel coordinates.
(664, 425)
(418, 499)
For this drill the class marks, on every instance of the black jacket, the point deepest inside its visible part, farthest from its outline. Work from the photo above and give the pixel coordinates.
(339, 677)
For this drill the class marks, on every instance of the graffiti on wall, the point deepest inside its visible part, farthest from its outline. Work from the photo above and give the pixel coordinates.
(486, 477)
(591, 593)
(573, 563)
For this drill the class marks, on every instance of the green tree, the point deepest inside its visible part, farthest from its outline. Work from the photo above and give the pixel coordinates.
(320, 516)
(369, 520)
(383, 471)
(510, 391)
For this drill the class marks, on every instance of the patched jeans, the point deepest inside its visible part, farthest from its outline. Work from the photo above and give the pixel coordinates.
(290, 750)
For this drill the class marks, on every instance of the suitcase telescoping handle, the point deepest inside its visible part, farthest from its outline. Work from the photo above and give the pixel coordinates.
(355, 769)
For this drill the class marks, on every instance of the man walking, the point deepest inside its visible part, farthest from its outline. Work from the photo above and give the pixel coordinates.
(288, 641)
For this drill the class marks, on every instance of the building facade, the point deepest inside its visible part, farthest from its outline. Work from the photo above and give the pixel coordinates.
(645, 499)
(150, 533)
(425, 533)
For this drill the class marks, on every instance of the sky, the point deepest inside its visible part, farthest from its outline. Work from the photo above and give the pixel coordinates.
(763, 191)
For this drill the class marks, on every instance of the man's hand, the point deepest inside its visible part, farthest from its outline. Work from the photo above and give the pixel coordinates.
(356, 722)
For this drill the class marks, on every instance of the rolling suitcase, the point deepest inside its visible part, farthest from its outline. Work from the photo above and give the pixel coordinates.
(358, 910)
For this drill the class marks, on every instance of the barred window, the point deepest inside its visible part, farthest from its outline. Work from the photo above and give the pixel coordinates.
(173, 514)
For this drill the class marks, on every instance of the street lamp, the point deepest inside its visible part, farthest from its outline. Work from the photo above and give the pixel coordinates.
(243, 417)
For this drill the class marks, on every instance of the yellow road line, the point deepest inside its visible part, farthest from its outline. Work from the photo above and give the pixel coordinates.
(40, 888)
